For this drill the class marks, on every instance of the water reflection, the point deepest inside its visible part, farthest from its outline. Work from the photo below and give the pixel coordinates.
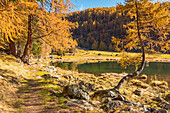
(160, 69)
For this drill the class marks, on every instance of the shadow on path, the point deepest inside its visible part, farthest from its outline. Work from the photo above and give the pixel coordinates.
(33, 98)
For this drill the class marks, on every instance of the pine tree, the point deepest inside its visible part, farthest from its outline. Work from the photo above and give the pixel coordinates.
(102, 46)
(111, 47)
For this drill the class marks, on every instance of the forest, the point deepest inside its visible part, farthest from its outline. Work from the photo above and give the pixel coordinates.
(99, 27)
(44, 44)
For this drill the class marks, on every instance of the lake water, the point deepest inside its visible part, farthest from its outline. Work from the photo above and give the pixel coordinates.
(159, 69)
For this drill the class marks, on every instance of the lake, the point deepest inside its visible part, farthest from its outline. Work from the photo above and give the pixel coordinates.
(159, 69)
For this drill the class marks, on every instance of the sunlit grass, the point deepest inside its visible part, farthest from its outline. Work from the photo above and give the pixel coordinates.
(88, 53)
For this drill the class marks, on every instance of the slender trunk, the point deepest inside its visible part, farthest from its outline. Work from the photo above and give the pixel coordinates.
(131, 75)
(19, 48)
(25, 56)
(12, 48)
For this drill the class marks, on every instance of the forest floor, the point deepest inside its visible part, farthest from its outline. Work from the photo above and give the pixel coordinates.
(23, 90)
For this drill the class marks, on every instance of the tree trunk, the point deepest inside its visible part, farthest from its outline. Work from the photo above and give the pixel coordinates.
(131, 75)
(19, 48)
(12, 48)
(25, 56)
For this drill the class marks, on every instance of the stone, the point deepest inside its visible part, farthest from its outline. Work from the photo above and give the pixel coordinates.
(46, 76)
(167, 97)
(165, 105)
(163, 111)
(129, 109)
(84, 105)
(18, 61)
(75, 91)
(121, 97)
(113, 93)
(138, 92)
(76, 79)
(68, 76)
(153, 110)
(106, 100)
(159, 83)
(90, 87)
(55, 77)
(96, 103)
(51, 57)
(81, 83)
(50, 69)
(128, 103)
(113, 104)
(38, 77)
(137, 104)
(158, 99)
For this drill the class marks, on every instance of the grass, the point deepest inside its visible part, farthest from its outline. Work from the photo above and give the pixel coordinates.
(114, 54)
(82, 56)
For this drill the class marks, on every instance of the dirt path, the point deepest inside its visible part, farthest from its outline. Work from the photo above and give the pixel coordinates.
(30, 99)
(34, 99)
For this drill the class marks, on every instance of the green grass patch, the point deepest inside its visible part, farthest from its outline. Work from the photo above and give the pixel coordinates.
(64, 106)
(40, 73)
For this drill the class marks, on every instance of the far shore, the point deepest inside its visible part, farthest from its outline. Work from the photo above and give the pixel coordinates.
(102, 59)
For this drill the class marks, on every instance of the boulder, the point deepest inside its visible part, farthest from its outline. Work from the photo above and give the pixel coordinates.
(113, 93)
(84, 105)
(112, 105)
(76, 91)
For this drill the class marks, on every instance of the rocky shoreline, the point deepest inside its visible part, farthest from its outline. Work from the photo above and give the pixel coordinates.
(97, 93)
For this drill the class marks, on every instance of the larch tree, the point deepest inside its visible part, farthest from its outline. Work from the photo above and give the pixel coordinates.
(11, 24)
(149, 29)
(27, 21)
(47, 22)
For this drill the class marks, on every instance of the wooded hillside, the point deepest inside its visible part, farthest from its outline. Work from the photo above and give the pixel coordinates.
(98, 27)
